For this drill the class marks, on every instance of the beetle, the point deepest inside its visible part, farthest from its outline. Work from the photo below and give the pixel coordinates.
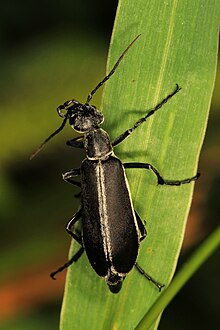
(111, 229)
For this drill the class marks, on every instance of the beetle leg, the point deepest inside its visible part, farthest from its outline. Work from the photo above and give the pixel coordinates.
(76, 143)
(76, 257)
(160, 179)
(68, 176)
(70, 224)
(140, 121)
(142, 272)
(141, 226)
(78, 254)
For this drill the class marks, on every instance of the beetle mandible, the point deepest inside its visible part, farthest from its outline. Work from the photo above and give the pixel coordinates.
(111, 228)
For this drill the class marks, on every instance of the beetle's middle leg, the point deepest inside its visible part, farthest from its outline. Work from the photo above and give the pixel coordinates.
(160, 179)
(67, 177)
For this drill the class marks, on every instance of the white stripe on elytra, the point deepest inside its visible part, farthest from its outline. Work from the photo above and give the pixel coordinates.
(102, 202)
(132, 207)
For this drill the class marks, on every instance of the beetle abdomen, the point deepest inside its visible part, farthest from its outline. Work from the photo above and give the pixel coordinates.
(110, 233)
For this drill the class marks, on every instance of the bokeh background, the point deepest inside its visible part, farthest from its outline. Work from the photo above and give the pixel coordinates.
(51, 52)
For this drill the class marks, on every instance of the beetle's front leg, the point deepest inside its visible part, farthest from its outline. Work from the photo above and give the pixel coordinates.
(68, 176)
(160, 179)
(76, 143)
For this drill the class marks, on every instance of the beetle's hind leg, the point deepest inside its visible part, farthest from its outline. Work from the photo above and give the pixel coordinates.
(68, 263)
(141, 271)
(70, 224)
(141, 227)
(149, 278)
(160, 179)
(78, 254)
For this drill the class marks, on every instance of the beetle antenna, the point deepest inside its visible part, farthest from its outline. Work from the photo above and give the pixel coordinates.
(112, 70)
(49, 138)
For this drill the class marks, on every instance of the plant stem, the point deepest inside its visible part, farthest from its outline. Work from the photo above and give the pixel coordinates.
(204, 251)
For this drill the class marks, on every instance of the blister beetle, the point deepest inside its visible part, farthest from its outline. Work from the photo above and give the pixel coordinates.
(111, 228)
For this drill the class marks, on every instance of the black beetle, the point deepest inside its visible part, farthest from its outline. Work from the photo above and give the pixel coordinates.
(111, 228)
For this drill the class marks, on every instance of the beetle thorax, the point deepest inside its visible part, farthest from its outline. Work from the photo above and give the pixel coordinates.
(97, 144)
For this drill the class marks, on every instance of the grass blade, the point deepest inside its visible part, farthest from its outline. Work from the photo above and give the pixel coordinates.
(178, 44)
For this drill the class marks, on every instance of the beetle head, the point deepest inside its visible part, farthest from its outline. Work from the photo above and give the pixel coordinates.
(84, 117)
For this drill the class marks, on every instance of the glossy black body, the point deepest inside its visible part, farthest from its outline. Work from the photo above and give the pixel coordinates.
(111, 228)
(110, 232)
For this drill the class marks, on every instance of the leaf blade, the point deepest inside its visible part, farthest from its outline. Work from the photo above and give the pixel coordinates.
(170, 50)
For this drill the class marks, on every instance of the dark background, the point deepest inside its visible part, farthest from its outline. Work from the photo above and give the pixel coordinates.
(50, 52)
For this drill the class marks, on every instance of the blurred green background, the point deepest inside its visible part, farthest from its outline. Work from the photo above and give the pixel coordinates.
(51, 52)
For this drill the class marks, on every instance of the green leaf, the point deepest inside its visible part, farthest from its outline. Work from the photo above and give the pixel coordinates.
(178, 44)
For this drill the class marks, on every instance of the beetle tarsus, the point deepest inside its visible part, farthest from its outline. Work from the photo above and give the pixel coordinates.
(151, 279)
